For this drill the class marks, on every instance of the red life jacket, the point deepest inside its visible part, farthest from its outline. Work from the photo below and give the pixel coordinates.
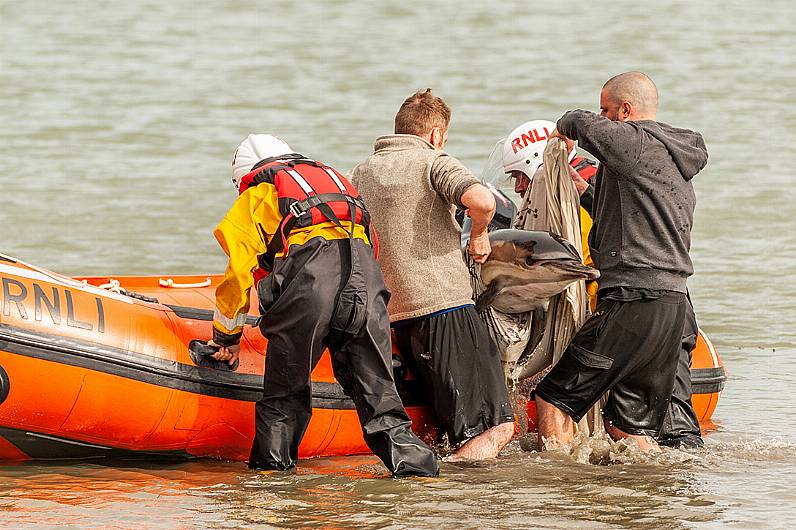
(585, 167)
(309, 193)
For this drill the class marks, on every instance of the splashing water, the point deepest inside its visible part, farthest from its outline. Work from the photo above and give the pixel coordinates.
(601, 449)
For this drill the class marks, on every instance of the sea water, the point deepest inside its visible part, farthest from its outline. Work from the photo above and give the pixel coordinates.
(117, 126)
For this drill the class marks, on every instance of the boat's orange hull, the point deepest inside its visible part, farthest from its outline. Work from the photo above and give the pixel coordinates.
(88, 373)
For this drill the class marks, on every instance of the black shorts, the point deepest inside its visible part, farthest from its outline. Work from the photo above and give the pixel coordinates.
(629, 348)
(458, 366)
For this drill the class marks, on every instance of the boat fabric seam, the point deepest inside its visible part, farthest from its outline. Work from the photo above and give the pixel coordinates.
(67, 440)
(26, 439)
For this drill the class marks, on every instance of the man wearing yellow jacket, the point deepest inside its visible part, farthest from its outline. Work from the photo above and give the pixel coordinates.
(324, 289)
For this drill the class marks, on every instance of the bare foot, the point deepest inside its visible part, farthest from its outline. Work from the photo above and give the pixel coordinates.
(485, 446)
(645, 443)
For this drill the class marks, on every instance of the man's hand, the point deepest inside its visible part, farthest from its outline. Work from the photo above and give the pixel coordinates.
(580, 184)
(568, 141)
(478, 247)
(225, 353)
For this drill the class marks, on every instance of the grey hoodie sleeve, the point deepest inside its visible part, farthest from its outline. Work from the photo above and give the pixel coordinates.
(616, 144)
(450, 179)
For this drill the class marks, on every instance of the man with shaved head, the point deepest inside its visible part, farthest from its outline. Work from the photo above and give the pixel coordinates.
(629, 96)
(643, 204)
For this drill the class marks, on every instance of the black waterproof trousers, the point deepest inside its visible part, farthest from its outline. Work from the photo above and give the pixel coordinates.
(299, 301)
(458, 366)
(681, 426)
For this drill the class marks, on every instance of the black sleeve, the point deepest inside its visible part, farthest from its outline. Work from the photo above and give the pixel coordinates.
(225, 340)
(587, 200)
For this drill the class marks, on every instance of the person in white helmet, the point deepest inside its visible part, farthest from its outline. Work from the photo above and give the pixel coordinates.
(253, 149)
(522, 159)
(523, 150)
(301, 234)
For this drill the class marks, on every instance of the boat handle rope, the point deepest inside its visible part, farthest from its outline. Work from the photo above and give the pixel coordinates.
(113, 286)
(170, 283)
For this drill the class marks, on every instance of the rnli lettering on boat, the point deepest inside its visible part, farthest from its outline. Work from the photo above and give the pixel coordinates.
(48, 302)
(531, 137)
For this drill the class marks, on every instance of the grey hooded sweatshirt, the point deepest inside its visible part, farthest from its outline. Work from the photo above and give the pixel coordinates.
(643, 199)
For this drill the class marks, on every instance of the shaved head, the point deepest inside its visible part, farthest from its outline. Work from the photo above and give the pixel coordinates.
(635, 88)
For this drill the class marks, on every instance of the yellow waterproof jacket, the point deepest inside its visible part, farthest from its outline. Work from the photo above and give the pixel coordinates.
(243, 235)
(585, 228)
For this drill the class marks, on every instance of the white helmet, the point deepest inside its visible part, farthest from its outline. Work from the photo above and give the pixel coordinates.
(253, 149)
(523, 149)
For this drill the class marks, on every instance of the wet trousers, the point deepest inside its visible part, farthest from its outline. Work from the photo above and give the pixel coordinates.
(299, 301)
(681, 426)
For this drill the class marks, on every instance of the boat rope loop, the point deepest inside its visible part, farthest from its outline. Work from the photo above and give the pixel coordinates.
(171, 283)
(115, 286)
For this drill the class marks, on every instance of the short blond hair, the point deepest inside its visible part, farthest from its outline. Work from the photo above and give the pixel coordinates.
(421, 112)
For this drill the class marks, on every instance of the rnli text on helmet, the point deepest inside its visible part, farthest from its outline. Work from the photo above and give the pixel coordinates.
(532, 137)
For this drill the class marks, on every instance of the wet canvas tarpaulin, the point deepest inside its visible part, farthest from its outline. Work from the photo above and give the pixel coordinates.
(532, 342)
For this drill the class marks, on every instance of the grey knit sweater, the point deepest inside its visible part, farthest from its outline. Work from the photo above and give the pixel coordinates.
(411, 190)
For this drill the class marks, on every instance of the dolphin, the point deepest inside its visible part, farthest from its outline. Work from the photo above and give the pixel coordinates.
(526, 268)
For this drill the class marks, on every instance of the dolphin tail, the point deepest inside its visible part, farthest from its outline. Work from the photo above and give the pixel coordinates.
(538, 321)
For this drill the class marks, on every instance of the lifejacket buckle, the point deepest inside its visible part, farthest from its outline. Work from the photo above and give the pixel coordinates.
(296, 209)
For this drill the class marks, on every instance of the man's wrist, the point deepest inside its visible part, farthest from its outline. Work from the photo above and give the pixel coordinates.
(481, 232)
(581, 185)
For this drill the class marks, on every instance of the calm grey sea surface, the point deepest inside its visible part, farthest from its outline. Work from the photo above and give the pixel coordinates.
(117, 125)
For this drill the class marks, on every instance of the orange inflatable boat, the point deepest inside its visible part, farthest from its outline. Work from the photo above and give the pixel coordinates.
(99, 367)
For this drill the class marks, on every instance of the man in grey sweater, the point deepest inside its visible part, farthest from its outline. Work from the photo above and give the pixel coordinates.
(643, 211)
(412, 189)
